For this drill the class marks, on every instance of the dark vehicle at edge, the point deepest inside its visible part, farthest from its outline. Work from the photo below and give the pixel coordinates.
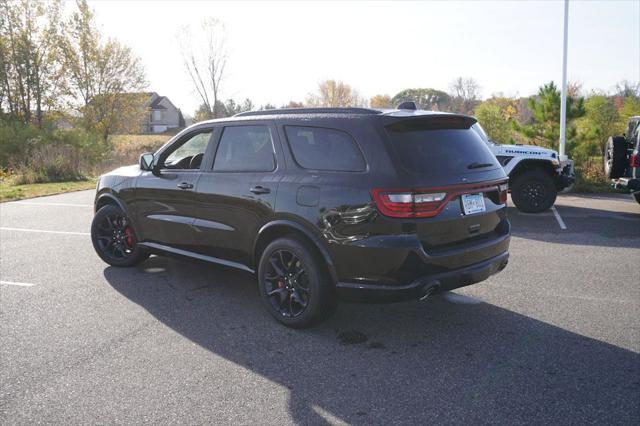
(622, 159)
(322, 204)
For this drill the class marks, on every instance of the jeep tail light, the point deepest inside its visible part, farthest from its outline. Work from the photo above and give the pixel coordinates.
(634, 160)
(503, 189)
(400, 203)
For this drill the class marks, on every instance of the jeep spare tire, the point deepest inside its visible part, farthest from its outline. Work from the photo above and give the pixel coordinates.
(615, 157)
(533, 191)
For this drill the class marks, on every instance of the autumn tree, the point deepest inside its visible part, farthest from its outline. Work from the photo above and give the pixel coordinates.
(30, 66)
(544, 127)
(294, 104)
(424, 98)
(496, 124)
(380, 101)
(333, 93)
(105, 76)
(204, 56)
(465, 94)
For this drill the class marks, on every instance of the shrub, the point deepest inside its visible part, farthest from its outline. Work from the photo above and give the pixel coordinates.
(44, 154)
(49, 163)
(126, 150)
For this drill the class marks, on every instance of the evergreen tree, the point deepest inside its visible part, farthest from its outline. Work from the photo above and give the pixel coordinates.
(544, 126)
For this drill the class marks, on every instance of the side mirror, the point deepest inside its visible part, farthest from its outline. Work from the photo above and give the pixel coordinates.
(146, 162)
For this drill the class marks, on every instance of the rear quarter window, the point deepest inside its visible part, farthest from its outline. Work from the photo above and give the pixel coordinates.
(441, 151)
(318, 148)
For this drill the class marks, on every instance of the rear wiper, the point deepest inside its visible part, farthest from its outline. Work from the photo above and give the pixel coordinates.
(479, 165)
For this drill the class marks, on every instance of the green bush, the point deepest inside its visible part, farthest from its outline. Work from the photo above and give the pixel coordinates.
(34, 154)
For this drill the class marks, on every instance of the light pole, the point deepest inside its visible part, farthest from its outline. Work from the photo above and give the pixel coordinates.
(563, 99)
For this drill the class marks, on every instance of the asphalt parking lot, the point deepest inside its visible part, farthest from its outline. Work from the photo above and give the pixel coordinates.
(554, 338)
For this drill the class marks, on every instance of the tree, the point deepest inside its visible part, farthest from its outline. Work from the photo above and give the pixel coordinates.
(600, 121)
(544, 127)
(494, 122)
(333, 93)
(425, 98)
(205, 59)
(106, 77)
(294, 104)
(381, 101)
(630, 108)
(626, 89)
(30, 66)
(464, 93)
(202, 113)
(574, 89)
(232, 108)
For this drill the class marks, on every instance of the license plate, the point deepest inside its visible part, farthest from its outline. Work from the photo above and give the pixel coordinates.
(473, 203)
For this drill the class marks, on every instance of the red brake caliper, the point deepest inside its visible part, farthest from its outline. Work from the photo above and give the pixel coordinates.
(129, 237)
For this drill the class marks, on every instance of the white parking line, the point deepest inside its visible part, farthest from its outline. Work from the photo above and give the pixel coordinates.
(558, 218)
(15, 283)
(44, 231)
(26, 203)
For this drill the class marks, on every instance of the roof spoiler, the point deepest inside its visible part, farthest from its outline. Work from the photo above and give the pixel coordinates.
(429, 122)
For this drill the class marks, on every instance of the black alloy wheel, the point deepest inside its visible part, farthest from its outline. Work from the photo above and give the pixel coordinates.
(287, 283)
(114, 238)
(294, 283)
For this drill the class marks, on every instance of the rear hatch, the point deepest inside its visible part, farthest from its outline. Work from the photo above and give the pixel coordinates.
(451, 185)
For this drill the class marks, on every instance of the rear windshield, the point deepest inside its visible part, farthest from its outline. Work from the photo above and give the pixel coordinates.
(441, 151)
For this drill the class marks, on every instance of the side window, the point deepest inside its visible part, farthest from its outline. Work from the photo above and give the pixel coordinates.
(318, 148)
(188, 155)
(245, 149)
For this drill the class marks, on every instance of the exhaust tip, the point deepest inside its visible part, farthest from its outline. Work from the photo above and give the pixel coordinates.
(429, 289)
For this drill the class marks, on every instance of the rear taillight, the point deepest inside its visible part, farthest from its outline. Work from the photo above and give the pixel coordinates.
(503, 190)
(634, 160)
(417, 203)
(399, 203)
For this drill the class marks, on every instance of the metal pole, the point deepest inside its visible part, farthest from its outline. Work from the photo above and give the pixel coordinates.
(563, 99)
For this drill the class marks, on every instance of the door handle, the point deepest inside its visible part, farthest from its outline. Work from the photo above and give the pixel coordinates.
(260, 190)
(185, 185)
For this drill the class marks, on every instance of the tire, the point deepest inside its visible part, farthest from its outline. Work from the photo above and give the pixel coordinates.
(533, 191)
(294, 283)
(636, 196)
(114, 239)
(615, 157)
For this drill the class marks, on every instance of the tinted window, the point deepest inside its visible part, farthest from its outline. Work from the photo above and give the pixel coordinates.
(189, 155)
(441, 151)
(245, 149)
(480, 131)
(324, 149)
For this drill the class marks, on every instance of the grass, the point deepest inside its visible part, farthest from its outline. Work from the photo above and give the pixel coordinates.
(19, 192)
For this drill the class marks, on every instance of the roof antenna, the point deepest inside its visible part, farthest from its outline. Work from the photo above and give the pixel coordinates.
(407, 105)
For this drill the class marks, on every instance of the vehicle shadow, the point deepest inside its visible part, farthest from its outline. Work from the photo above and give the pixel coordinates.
(398, 363)
(585, 226)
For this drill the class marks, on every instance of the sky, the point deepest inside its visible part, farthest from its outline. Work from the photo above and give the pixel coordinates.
(280, 51)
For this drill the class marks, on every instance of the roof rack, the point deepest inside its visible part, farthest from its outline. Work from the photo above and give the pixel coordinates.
(283, 111)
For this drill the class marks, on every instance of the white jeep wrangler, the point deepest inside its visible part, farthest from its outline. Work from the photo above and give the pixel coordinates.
(536, 174)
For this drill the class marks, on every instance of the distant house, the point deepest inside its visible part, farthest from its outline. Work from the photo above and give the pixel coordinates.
(163, 115)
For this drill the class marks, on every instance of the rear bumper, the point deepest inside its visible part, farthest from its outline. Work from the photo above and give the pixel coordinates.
(629, 184)
(431, 284)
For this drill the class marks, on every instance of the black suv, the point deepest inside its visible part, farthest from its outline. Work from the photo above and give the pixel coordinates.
(322, 204)
(622, 159)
